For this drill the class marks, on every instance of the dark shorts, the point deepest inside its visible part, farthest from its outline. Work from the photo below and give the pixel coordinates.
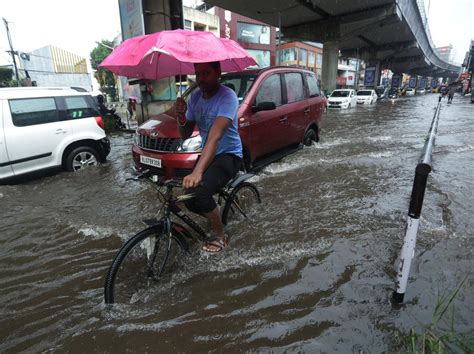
(222, 169)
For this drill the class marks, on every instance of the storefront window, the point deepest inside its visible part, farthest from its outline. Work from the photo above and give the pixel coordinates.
(319, 59)
(262, 57)
(303, 57)
(288, 54)
(311, 59)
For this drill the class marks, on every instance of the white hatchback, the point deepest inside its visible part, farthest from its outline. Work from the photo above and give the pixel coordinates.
(47, 127)
(366, 96)
(342, 98)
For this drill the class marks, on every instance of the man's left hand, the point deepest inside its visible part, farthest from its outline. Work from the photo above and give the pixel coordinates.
(192, 180)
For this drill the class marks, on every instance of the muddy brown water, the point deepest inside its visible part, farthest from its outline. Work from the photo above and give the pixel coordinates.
(312, 272)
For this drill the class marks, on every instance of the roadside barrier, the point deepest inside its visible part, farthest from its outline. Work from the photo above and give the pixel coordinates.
(422, 171)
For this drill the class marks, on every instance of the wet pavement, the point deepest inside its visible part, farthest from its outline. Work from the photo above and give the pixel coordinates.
(313, 272)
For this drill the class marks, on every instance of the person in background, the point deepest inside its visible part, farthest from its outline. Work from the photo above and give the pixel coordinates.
(451, 91)
(130, 107)
(105, 111)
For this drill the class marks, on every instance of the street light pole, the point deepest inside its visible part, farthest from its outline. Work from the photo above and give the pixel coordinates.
(12, 52)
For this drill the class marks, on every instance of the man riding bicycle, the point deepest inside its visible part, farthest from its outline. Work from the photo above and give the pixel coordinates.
(214, 109)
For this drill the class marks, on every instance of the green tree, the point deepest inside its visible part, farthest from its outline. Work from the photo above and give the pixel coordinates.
(6, 77)
(105, 78)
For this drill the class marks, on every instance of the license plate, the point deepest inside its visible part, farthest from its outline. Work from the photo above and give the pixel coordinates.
(150, 161)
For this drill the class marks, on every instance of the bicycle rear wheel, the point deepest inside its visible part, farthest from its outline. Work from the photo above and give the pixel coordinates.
(139, 264)
(242, 203)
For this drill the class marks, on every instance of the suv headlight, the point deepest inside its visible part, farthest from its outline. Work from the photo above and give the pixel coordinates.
(191, 145)
(136, 138)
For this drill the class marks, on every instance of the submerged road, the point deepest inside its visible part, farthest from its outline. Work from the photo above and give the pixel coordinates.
(313, 271)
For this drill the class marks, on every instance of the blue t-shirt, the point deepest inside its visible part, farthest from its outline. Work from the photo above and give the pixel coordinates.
(204, 111)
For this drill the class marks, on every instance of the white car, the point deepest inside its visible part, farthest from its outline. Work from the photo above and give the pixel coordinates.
(410, 92)
(342, 98)
(42, 128)
(420, 91)
(366, 96)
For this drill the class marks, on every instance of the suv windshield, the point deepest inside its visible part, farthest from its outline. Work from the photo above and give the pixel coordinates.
(340, 94)
(241, 84)
(364, 93)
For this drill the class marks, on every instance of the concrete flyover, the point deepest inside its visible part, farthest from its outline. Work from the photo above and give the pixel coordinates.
(390, 34)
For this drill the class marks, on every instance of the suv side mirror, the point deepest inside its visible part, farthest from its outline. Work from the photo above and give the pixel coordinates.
(264, 106)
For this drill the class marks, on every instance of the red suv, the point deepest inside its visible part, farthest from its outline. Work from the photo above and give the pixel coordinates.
(280, 107)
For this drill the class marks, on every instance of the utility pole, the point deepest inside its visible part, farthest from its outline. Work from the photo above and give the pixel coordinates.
(12, 52)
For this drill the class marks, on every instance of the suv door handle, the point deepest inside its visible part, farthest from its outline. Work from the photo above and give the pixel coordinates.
(307, 110)
(284, 120)
(60, 131)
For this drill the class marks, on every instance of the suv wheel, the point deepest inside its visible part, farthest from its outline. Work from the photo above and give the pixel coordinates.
(81, 157)
(310, 137)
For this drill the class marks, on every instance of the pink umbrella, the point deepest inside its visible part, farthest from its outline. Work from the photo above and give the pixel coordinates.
(169, 53)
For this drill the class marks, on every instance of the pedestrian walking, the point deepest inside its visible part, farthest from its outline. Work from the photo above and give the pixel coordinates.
(451, 91)
(130, 108)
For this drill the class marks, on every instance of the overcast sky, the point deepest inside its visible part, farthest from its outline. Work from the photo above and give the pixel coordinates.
(76, 25)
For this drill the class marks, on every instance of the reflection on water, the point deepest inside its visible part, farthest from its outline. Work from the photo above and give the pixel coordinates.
(313, 271)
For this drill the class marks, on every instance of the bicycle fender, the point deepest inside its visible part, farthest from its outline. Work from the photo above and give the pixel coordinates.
(239, 179)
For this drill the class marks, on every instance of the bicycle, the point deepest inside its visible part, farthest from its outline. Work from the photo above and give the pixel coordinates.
(152, 249)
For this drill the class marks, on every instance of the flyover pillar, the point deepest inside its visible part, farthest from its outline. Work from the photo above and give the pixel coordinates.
(329, 67)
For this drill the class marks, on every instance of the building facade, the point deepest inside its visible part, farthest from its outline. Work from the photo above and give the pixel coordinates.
(306, 55)
(55, 67)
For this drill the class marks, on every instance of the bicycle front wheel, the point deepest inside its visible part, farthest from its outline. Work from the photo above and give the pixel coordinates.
(138, 265)
(242, 203)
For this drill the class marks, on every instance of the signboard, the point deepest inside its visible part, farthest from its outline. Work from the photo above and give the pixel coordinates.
(412, 82)
(434, 83)
(350, 80)
(422, 83)
(396, 81)
(341, 81)
(131, 18)
(252, 33)
(385, 81)
(369, 77)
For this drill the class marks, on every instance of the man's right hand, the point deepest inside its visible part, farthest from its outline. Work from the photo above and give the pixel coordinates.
(180, 108)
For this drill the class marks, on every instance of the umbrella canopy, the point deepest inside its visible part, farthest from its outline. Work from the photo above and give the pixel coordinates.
(168, 53)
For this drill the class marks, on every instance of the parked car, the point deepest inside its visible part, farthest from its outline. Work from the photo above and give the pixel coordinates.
(420, 91)
(342, 98)
(381, 91)
(46, 127)
(410, 91)
(366, 96)
(279, 107)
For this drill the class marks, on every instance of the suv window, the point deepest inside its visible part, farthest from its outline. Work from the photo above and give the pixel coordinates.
(312, 85)
(294, 87)
(79, 107)
(32, 111)
(270, 91)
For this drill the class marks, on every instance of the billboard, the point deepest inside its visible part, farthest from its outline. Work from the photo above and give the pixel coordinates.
(369, 77)
(253, 33)
(422, 83)
(412, 82)
(434, 83)
(131, 18)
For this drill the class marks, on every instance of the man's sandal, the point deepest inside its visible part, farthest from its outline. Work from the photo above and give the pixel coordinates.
(215, 245)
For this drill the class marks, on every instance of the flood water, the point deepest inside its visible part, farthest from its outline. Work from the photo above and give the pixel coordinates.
(313, 272)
